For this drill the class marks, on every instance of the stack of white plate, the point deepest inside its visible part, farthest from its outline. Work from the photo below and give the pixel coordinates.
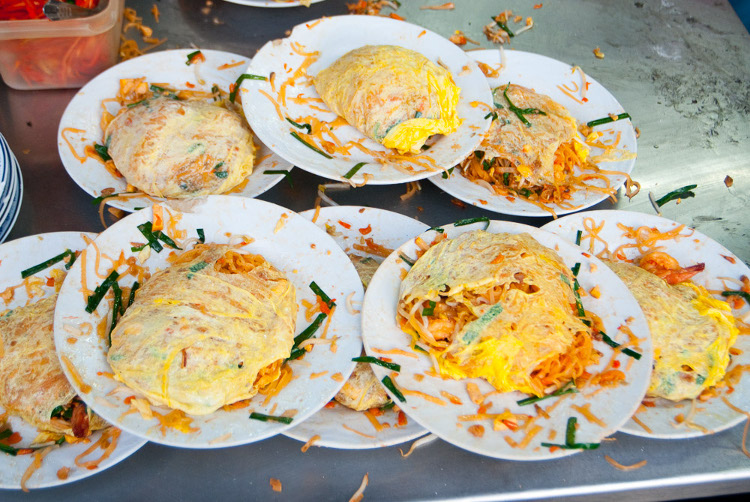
(11, 189)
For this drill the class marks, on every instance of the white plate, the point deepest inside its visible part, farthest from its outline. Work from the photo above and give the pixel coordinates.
(299, 249)
(84, 112)
(12, 199)
(333, 37)
(388, 229)
(555, 79)
(270, 3)
(18, 255)
(693, 248)
(612, 405)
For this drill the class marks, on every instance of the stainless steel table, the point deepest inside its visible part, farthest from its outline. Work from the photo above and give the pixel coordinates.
(680, 68)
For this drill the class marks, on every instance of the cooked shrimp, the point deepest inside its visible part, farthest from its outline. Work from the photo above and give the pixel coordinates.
(663, 265)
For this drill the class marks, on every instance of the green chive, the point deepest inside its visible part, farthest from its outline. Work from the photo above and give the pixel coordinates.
(116, 305)
(388, 406)
(8, 433)
(281, 171)
(486, 165)
(99, 199)
(525, 192)
(132, 105)
(46, 264)
(300, 126)
(506, 179)
(479, 154)
(576, 268)
(570, 431)
(407, 260)
(60, 441)
(135, 249)
(102, 151)
(391, 387)
(606, 339)
(579, 234)
(420, 349)
(133, 289)
(504, 27)
(8, 449)
(745, 296)
(446, 174)
(436, 229)
(308, 145)
(201, 236)
(153, 241)
(428, 311)
(296, 354)
(681, 193)
(379, 362)
(310, 330)
(568, 388)
(319, 292)
(270, 418)
(469, 221)
(191, 56)
(166, 239)
(570, 439)
(607, 120)
(95, 299)
(354, 170)
(240, 79)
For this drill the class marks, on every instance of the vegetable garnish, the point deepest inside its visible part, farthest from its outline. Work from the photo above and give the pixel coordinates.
(407, 260)
(681, 193)
(579, 234)
(568, 388)
(133, 289)
(570, 439)
(379, 362)
(308, 145)
(520, 112)
(635, 355)
(281, 171)
(469, 221)
(309, 331)
(201, 235)
(240, 79)
(446, 174)
(133, 105)
(116, 306)
(319, 292)
(491, 114)
(300, 126)
(270, 418)
(430, 310)
(8, 449)
(194, 56)
(46, 264)
(391, 387)
(8, 433)
(161, 90)
(102, 151)
(576, 268)
(354, 170)
(436, 229)
(744, 295)
(166, 239)
(503, 27)
(388, 406)
(420, 349)
(607, 120)
(99, 199)
(94, 300)
(153, 240)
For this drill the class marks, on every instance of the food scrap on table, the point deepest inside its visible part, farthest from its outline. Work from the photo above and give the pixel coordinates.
(499, 32)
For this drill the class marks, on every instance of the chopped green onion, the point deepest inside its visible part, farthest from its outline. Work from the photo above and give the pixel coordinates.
(46, 264)
(570, 431)
(296, 354)
(491, 114)
(133, 289)
(8, 433)
(520, 112)
(191, 56)
(504, 27)
(469, 221)
(407, 260)
(576, 268)
(417, 347)
(310, 330)
(240, 79)
(579, 234)
(60, 441)
(99, 199)
(281, 171)
(221, 174)
(116, 305)
(319, 292)
(132, 105)
(606, 339)
(681, 193)
(153, 240)
(391, 387)
(8, 449)
(300, 126)
(506, 179)
(379, 362)
(102, 151)
(308, 145)
(95, 299)
(446, 174)
(479, 154)
(388, 406)
(486, 165)
(428, 311)
(525, 192)
(607, 120)
(568, 388)
(135, 249)
(742, 294)
(270, 418)
(354, 170)
(201, 235)
(166, 239)
(570, 439)
(436, 229)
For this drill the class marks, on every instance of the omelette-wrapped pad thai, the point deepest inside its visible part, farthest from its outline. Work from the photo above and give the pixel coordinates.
(500, 307)
(692, 332)
(32, 383)
(212, 329)
(393, 95)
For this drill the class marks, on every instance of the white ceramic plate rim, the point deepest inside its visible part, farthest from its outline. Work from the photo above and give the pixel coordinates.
(269, 3)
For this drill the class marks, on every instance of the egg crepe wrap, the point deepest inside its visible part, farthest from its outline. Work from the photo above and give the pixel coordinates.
(32, 382)
(180, 149)
(499, 307)
(529, 151)
(393, 95)
(691, 331)
(209, 330)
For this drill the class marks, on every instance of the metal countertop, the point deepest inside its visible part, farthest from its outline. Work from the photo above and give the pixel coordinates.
(681, 69)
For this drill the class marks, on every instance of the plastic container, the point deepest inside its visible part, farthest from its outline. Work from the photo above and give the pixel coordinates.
(44, 54)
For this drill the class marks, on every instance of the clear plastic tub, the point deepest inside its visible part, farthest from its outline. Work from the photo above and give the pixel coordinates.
(44, 54)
